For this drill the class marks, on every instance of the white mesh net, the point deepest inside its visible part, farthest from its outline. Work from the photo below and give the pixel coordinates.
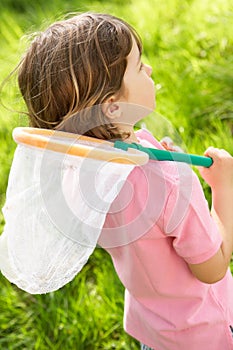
(55, 209)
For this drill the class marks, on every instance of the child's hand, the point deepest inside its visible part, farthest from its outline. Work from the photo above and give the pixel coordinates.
(168, 144)
(220, 175)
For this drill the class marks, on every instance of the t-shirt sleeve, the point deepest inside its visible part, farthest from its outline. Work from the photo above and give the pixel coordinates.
(188, 220)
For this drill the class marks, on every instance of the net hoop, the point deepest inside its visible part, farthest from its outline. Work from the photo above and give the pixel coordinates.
(77, 145)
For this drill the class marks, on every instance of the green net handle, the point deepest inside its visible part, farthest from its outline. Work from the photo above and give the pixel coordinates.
(158, 154)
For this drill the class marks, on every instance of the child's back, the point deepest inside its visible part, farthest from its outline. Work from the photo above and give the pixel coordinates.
(160, 222)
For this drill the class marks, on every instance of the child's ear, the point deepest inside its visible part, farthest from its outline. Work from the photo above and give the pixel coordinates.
(112, 109)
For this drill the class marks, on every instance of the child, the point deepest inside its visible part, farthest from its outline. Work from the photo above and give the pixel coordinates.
(170, 253)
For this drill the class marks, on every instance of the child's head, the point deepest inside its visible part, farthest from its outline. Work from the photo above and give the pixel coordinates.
(75, 64)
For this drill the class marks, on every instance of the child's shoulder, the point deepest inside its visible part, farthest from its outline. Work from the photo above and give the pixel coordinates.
(145, 137)
(166, 169)
(173, 174)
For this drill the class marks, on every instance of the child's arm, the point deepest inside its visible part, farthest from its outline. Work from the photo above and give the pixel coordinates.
(220, 178)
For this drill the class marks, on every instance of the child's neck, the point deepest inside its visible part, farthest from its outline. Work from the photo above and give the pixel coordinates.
(132, 138)
(129, 129)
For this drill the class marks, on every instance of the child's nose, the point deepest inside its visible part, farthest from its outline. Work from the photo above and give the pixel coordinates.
(148, 69)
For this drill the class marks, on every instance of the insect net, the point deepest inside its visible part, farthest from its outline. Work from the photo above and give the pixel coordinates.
(55, 208)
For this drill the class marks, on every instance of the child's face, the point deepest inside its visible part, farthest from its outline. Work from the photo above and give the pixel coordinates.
(137, 96)
(138, 85)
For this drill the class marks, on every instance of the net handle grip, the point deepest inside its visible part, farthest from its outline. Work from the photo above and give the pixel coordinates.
(164, 155)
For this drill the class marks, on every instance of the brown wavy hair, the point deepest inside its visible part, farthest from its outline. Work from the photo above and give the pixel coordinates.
(73, 67)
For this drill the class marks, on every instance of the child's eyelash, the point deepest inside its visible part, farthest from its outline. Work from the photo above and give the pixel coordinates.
(141, 65)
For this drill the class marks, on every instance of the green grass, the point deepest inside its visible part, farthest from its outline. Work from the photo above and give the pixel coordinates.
(190, 47)
(85, 314)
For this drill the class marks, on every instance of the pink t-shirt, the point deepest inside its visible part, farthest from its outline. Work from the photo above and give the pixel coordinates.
(159, 222)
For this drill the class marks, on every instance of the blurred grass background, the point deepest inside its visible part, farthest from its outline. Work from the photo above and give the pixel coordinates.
(190, 47)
